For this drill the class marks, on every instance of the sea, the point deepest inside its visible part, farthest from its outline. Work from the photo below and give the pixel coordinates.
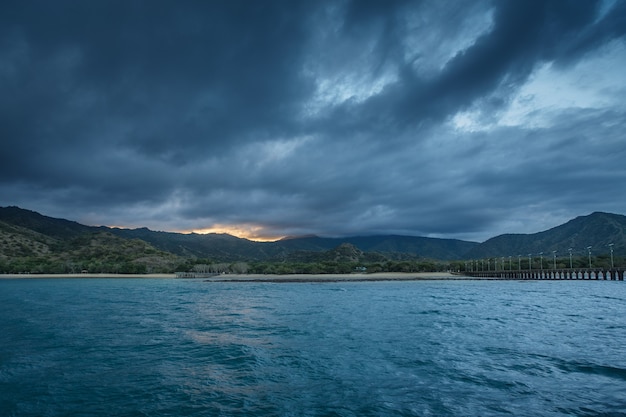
(176, 347)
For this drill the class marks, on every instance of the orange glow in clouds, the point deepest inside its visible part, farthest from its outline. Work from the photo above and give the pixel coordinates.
(246, 231)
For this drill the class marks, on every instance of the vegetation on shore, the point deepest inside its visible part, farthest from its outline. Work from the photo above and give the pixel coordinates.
(95, 252)
(104, 253)
(65, 251)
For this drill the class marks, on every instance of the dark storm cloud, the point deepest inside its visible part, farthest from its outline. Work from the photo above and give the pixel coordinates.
(523, 34)
(134, 60)
(329, 117)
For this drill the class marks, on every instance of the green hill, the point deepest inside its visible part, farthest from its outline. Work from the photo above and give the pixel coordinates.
(48, 226)
(597, 230)
(31, 242)
(392, 246)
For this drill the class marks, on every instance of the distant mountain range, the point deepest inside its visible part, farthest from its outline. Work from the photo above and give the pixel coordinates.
(25, 229)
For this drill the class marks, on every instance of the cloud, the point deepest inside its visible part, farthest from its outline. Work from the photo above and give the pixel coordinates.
(447, 119)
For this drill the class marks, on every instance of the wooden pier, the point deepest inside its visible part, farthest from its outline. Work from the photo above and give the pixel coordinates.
(612, 274)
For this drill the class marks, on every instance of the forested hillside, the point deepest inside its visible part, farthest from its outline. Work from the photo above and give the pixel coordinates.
(31, 242)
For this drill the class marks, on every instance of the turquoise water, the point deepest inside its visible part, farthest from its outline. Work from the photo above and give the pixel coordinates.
(141, 347)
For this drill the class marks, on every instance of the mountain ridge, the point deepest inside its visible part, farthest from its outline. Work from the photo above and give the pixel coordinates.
(225, 247)
(597, 230)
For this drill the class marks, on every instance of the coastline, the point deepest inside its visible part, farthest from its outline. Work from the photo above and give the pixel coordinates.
(381, 276)
(86, 276)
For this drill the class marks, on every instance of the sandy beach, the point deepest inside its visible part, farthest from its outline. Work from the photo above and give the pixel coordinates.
(384, 276)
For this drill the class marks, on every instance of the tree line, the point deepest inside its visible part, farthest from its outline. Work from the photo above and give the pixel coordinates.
(322, 267)
(45, 265)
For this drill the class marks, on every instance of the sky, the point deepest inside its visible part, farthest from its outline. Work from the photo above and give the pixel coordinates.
(265, 119)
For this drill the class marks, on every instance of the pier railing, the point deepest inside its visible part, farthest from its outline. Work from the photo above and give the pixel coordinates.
(614, 274)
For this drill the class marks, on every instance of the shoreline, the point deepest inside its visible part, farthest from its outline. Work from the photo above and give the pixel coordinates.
(86, 276)
(380, 276)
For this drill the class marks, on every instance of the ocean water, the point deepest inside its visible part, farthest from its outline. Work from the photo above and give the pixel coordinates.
(142, 347)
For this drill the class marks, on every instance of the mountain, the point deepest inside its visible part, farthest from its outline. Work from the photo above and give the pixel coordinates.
(393, 246)
(48, 226)
(227, 248)
(31, 242)
(27, 234)
(345, 252)
(231, 248)
(597, 230)
(220, 246)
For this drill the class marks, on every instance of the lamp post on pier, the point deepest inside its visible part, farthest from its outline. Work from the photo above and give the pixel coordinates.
(541, 260)
(589, 251)
(519, 262)
(611, 247)
(530, 264)
(570, 258)
(554, 253)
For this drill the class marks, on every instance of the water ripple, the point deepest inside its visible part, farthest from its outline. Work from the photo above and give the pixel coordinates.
(181, 348)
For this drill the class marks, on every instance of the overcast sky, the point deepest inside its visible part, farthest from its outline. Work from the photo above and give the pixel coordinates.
(454, 119)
